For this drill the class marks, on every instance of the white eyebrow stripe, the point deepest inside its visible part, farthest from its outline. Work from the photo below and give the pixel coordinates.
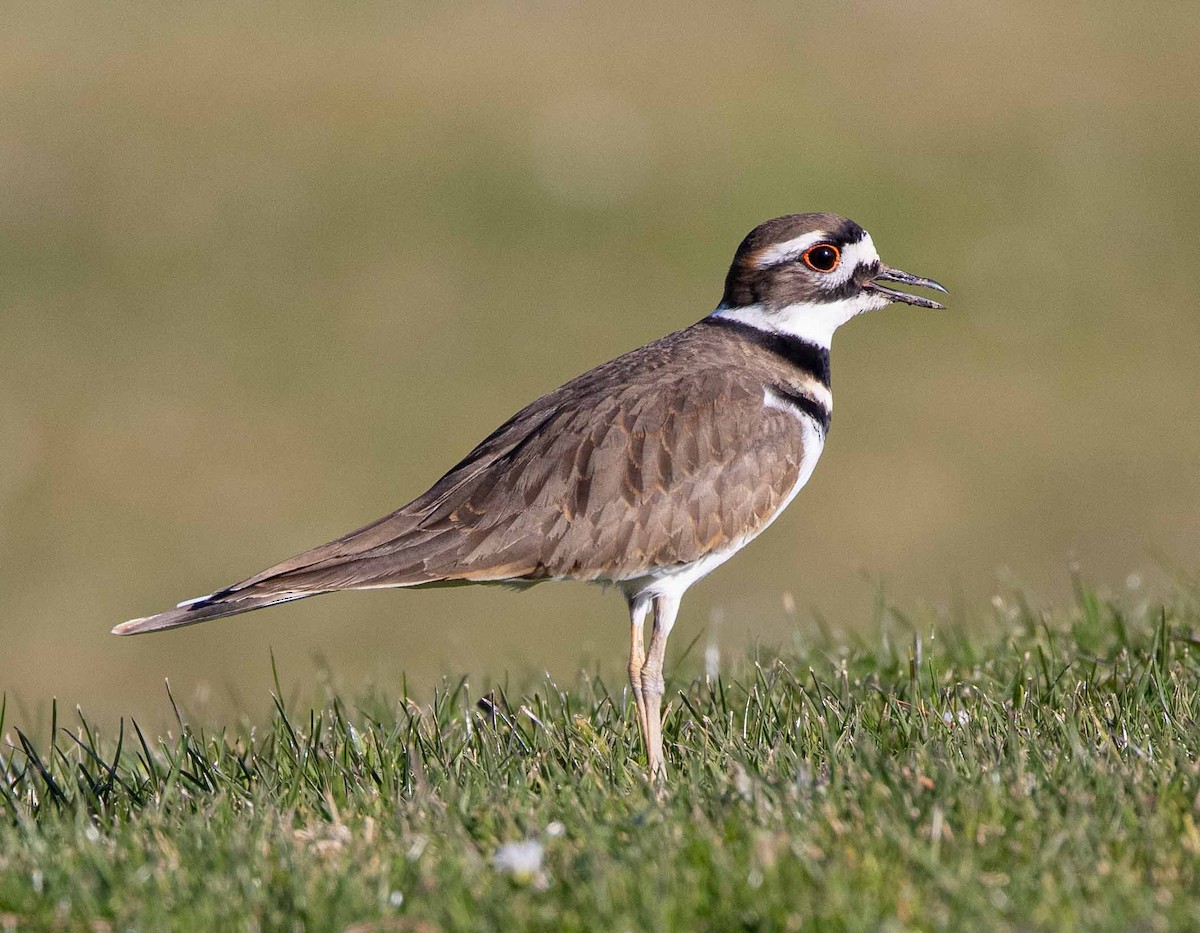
(788, 249)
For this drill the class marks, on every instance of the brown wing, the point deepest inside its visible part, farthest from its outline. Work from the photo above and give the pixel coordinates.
(647, 478)
(604, 482)
(658, 457)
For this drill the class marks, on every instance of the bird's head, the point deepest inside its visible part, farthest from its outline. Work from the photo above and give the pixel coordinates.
(807, 274)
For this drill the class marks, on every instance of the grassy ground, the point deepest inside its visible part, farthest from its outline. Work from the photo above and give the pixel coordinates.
(1040, 777)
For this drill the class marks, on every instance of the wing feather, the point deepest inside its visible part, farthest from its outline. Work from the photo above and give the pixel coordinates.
(659, 457)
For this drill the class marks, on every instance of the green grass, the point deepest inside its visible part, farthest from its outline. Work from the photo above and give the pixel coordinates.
(1041, 776)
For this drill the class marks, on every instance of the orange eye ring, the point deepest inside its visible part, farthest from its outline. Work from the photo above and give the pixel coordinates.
(824, 257)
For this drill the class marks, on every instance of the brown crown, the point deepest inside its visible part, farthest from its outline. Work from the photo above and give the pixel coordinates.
(790, 282)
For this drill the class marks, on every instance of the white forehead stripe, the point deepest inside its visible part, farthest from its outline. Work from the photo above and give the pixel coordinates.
(858, 254)
(788, 249)
(861, 253)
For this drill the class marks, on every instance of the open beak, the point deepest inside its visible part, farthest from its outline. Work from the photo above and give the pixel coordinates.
(887, 274)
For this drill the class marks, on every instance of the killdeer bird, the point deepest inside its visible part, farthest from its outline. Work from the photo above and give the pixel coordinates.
(645, 473)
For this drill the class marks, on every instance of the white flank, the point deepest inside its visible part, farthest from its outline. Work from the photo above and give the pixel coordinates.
(814, 443)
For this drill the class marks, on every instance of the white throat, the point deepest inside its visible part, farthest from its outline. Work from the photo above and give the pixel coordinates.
(812, 321)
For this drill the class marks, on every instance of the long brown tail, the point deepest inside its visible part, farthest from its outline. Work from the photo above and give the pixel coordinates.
(216, 606)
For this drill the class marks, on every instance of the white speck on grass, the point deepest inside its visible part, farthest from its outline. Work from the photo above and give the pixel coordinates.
(522, 860)
(555, 830)
(417, 849)
(712, 661)
(396, 899)
(712, 651)
(742, 782)
(532, 718)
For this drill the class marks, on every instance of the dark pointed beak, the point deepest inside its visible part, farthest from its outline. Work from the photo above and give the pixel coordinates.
(887, 274)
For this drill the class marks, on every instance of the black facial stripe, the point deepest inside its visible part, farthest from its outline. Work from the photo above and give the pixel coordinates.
(803, 355)
(852, 286)
(848, 232)
(811, 407)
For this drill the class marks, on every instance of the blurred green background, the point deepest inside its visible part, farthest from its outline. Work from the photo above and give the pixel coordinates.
(266, 271)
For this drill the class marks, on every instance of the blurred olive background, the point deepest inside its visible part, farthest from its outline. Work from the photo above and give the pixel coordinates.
(266, 271)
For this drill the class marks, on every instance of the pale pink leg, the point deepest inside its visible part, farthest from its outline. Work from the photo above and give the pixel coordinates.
(653, 685)
(638, 607)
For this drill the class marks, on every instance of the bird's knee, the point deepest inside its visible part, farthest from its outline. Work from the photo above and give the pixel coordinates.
(652, 683)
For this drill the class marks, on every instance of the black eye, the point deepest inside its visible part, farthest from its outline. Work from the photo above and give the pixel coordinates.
(823, 258)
